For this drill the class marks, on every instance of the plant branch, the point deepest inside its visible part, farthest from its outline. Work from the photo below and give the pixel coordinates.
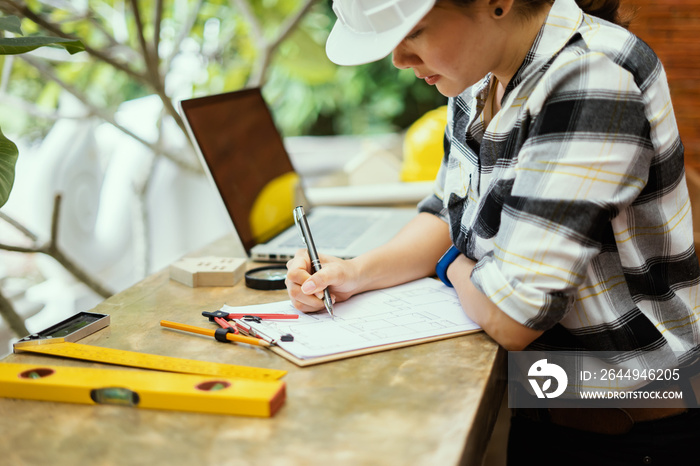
(114, 47)
(97, 25)
(156, 23)
(154, 78)
(291, 23)
(150, 58)
(11, 248)
(184, 33)
(106, 116)
(267, 48)
(150, 78)
(21, 9)
(252, 20)
(21, 228)
(51, 249)
(32, 109)
(6, 72)
(7, 311)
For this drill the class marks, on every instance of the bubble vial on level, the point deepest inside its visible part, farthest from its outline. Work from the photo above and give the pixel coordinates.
(115, 396)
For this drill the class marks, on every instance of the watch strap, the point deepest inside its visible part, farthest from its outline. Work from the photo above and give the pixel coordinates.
(444, 262)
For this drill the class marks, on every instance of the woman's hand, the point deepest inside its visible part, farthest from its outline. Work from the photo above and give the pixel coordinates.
(305, 288)
(410, 255)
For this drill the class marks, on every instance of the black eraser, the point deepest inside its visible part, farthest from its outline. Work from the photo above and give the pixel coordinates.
(287, 337)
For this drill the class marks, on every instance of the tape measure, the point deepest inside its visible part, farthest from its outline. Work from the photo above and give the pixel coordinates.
(145, 361)
(142, 389)
(73, 328)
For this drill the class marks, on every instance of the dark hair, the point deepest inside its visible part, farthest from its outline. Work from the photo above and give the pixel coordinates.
(608, 10)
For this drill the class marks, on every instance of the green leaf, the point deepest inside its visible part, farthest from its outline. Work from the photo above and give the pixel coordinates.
(8, 160)
(11, 24)
(16, 45)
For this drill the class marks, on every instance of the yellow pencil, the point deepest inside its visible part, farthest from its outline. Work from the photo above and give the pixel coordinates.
(211, 333)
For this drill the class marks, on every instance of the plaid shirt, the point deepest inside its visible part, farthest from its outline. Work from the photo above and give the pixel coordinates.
(573, 199)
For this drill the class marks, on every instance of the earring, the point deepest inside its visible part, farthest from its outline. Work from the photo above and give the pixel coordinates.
(499, 11)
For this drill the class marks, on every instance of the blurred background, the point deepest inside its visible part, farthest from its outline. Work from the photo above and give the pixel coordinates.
(101, 129)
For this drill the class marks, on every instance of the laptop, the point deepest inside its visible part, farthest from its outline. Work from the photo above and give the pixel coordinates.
(244, 156)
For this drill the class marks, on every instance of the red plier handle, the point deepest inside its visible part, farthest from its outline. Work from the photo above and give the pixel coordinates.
(263, 316)
(223, 315)
(226, 324)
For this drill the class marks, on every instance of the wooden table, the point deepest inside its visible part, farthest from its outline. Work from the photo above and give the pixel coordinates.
(431, 404)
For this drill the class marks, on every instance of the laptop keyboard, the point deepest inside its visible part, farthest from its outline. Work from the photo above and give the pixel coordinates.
(334, 232)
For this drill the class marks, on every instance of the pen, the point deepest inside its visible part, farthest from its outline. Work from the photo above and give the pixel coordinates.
(305, 233)
(212, 333)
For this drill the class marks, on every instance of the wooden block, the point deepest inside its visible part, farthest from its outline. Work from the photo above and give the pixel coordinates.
(208, 271)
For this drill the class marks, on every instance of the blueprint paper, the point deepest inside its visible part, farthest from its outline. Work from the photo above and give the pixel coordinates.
(420, 309)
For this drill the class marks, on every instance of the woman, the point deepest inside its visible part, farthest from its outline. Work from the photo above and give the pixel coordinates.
(561, 189)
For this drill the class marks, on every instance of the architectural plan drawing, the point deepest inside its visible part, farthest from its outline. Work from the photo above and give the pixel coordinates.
(420, 309)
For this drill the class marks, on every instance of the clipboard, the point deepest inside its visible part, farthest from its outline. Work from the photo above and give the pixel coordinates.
(371, 350)
(409, 314)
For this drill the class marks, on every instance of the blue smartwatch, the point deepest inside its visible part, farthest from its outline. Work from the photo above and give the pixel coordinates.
(444, 262)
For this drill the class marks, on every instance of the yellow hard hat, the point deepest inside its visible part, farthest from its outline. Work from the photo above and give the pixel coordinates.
(272, 209)
(423, 146)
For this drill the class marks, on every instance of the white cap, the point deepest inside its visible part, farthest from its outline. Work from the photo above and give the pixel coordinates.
(368, 30)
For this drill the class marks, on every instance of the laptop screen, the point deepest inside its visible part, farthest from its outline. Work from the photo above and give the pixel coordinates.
(246, 158)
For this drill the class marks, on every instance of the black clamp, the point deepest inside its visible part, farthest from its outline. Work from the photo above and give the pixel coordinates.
(256, 319)
(211, 315)
(220, 334)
